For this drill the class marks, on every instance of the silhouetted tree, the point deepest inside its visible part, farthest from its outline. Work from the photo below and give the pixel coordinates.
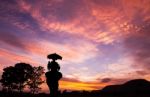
(8, 78)
(24, 73)
(36, 80)
(16, 77)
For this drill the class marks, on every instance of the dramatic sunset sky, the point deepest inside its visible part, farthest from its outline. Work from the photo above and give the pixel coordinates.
(102, 42)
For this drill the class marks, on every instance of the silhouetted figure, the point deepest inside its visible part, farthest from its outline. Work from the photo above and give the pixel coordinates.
(53, 75)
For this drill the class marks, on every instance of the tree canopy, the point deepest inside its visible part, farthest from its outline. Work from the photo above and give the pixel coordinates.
(22, 74)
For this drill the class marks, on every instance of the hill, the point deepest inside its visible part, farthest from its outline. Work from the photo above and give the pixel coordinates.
(133, 87)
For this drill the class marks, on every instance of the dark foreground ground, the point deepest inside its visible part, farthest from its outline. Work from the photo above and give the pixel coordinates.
(72, 95)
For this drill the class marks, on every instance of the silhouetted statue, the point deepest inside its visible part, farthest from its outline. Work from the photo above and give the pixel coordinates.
(52, 81)
(53, 75)
(53, 65)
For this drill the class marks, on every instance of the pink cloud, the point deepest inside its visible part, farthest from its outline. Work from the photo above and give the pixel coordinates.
(69, 52)
(88, 26)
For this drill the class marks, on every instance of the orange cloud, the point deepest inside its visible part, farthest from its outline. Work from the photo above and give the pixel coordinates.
(76, 85)
(81, 85)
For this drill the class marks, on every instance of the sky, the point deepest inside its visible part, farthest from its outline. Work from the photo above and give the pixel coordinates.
(102, 42)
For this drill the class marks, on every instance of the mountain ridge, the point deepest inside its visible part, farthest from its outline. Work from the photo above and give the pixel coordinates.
(136, 86)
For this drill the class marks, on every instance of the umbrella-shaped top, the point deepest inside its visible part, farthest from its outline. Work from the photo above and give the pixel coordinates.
(54, 56)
